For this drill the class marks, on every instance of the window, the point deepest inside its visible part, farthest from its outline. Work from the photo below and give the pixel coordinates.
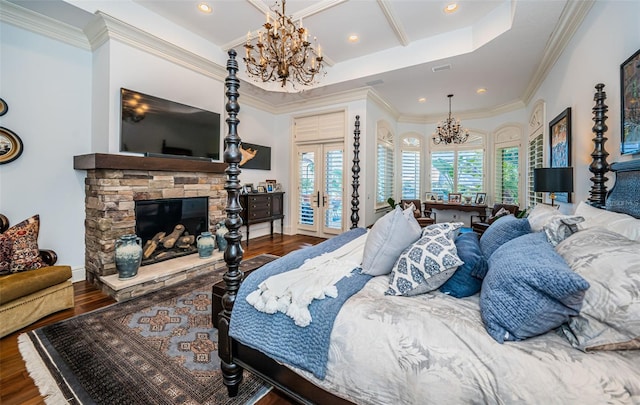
(384, 165)
(534, 160)
(459, 171)
(507, 175)
(410, 168)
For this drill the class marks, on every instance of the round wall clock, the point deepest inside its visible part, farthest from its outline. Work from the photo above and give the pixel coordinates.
(10, 146)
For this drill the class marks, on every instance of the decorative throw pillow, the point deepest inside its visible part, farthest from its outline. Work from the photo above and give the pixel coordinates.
(560, 229)
(610, 315)
(19, 246)
(614, 221)
(501, 213)
(452, 229)
(467, 280)
(6, 251)
(427, 264)
(388, 237)
(529, 290)
(502, 231)
(542, 214)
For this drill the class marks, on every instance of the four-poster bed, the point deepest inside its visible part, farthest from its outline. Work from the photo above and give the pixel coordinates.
(444, 352)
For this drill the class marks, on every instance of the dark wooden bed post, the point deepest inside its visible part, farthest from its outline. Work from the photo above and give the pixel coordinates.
(231, 372)
(599, 165)
(355, 197)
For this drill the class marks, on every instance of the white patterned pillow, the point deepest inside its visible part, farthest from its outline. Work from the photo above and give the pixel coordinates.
(560, 229)
(610, 314)
(426, 264)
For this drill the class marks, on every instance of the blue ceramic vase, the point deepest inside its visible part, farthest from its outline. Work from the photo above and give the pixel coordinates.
(206, 243)
(128, 256)
(220, 240)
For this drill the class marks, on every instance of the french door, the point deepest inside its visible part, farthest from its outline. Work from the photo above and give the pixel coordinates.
(320, 199)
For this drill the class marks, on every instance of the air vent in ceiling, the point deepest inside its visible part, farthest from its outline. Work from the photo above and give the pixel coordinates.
(375, 82)
(441, 68)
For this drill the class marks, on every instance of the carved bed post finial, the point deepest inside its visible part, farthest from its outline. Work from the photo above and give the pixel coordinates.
(355, 197)
(599, 165)
(231, 372)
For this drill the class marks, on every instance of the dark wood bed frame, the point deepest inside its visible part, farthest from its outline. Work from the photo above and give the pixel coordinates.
(235, 356)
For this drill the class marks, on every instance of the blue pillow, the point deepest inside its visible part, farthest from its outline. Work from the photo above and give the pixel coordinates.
(503, 230)
(467, 280)
(529, 289)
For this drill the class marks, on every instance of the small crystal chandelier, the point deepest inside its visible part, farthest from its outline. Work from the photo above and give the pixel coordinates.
(450, 131)
(284, 54)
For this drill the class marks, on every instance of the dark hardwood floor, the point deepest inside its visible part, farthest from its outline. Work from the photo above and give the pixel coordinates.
(16, 387)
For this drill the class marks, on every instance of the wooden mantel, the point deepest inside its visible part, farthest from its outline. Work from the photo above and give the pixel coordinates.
(94, 161)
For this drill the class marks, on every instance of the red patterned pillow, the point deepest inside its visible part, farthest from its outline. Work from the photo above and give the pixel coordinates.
(19, 247)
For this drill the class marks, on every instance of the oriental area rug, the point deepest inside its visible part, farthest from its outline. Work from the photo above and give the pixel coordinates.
(159, 348)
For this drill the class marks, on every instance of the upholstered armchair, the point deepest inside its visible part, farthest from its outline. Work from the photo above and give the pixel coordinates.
(423, 219)
(28, 295)
(480, 223)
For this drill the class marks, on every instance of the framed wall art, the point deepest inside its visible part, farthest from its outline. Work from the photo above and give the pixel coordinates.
(255, 156)
(10, 146)
(3, 107)
(560, 146)
(630, 110)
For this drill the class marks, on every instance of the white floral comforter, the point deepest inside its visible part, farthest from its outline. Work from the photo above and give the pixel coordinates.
(434, 349)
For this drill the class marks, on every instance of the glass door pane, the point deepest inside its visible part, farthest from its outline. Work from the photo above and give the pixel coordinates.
(333, 188)
(307, 189)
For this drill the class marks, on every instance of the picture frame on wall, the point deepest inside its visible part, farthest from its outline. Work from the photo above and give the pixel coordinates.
(560, 145)
(10, 146)
(630, 108)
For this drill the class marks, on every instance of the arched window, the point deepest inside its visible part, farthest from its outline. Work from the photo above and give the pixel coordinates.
(458, 168)
(410, 154)
(384, 164)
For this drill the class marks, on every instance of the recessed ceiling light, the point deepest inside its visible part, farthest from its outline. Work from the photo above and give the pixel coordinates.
(481, 90)
(451, 8)
(422, 99)
(354, 38)
(205, 8)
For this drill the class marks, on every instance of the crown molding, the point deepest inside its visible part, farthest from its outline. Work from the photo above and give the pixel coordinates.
(107, 27)
(467, 115)
(43, 25)
(572, 16)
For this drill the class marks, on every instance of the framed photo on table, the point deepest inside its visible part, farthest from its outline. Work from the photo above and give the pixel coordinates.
(430, 197)
(455, 198)
(560, 141)
(481, 198)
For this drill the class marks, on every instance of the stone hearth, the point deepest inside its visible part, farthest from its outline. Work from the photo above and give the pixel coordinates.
(113, 184)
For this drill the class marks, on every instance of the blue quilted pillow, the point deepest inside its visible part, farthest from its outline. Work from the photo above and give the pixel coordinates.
(503, 230)
(529, 289)
(467, 280)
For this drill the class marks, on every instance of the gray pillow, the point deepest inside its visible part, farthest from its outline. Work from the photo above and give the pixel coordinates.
(529, 289)
(388, 237)
(501, 231)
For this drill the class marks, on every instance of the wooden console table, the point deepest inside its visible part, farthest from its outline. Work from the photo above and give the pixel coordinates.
(262, 207)
(481, 208)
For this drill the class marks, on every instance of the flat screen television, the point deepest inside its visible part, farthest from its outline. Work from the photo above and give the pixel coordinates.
(159, 127)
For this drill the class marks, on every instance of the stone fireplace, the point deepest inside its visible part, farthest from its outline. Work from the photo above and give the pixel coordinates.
(113, 185)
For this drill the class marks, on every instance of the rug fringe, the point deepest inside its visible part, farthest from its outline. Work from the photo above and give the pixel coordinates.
(38, 371)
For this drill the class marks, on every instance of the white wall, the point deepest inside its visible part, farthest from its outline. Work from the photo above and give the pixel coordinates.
(606, 38)
(47, 86)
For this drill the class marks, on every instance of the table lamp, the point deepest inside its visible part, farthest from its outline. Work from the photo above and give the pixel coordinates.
(553, 180)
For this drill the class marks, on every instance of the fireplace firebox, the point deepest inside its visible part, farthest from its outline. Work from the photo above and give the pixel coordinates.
(169, 227)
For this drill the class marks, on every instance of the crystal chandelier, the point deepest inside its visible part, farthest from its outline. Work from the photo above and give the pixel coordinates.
(450, 131)
(283, 52)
